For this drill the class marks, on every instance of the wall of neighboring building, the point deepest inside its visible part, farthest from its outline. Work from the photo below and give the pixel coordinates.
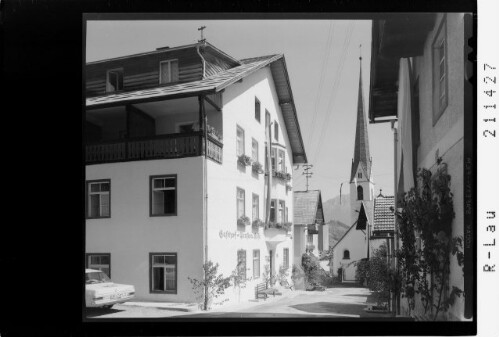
(446, 134)
(130, 234)
(355, 242)
(224, 238)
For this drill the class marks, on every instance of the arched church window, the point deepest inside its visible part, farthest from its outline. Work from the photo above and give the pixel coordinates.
(346, 254)
(360, 193)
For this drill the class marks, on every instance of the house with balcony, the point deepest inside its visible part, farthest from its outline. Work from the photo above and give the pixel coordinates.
(420, 83)
(188, 157)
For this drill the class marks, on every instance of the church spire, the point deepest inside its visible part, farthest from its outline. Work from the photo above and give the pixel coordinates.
(361, 154)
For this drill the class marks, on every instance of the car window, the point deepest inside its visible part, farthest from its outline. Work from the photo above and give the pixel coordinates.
(96, 277)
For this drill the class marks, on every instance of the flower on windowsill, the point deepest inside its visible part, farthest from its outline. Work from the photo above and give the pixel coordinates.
(243, 221)
(244, 160)
(310, 247)
(288, 177)
(279, 225)
(256, 166)
(289, 187)
(257, 224)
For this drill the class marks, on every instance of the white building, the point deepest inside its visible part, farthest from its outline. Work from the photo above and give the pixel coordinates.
(169, 135)
(421, 80)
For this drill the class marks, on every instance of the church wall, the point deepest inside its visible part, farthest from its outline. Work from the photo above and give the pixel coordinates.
(355, 242)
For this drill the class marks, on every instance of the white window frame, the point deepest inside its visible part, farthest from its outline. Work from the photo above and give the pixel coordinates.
(169, 62)
(163, 265)
(254, 150)
(255, 207)
(276, 131)
(100, 193)
(240, 192)
(240, 147)
(440, 80)
(281, 160)
(108, 84)
(281, 211)
(256, 262)
(99, 266)
(169, 188)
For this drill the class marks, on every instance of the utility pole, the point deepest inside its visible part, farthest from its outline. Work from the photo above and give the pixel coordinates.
(306, 169)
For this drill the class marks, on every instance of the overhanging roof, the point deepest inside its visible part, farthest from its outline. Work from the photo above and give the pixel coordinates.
(305, 206)
(217, 83)
(384, 216)
(394, 37)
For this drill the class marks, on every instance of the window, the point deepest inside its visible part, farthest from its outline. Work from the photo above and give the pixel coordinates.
(163, 195)
(280, 215)
(98, 199)
(267, 118)
(186, 127)
(285, 257)
(346, 254)
(440, 76)
(168, 71)
(282, 163)
(241, 263)
(163, 267)
(360, 193)
(256, 263)
(276, 130)
(101, 261)
(272, 210)
(257, 110)
(256, 206)
(240, 141)
(240, 202)
(286, 215)
(114, 80)
(359, 175)
(310, 239)
(273, 159)
(254, 150)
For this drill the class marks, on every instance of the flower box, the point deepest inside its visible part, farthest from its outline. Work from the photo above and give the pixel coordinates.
(244, 160)
(243, 221)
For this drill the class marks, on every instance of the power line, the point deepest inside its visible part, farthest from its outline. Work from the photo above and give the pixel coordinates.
(339, 69)
(321, 81)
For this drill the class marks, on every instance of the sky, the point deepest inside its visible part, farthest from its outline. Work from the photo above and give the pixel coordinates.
(322, 59)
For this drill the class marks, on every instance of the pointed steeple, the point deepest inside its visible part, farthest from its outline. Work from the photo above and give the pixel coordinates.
(361, 154)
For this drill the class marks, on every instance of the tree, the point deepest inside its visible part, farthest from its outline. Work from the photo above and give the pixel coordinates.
(211, 286)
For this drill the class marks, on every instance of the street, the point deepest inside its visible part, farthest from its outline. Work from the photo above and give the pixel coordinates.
(339, 302)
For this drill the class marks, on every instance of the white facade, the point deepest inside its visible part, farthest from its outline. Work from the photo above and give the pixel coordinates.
(131, 234)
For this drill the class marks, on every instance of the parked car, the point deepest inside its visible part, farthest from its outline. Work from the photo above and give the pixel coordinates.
(100, 291)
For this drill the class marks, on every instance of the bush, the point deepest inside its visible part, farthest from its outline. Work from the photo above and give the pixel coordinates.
(311, 268)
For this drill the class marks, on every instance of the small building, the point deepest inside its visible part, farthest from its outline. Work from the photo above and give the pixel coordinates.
(188, 155)
(310, 232)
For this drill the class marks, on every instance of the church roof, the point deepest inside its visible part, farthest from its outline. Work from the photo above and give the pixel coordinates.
(305, 207)
(361, 154)
(384, 218)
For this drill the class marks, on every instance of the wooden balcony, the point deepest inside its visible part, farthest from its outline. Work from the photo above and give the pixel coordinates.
(169, 146)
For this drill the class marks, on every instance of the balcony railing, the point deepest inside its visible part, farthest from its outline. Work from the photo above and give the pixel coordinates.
(158, 147)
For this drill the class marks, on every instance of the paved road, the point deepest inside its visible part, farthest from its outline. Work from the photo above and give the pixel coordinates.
(345, 302)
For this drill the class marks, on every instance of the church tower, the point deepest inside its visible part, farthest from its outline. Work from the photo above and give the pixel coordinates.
(361, 181)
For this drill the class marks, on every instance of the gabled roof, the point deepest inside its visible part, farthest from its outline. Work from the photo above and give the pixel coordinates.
(344, 235)
(217, 83)
(361, 154)
(305, 207)
(384, 217)
(363, 220)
